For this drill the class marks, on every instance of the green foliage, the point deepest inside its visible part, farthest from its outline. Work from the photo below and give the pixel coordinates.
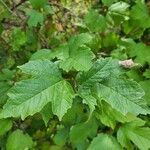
(74, 75)
(137, 134)
(35, 18)
(95, 22)
(105, 142)
(17, 140)
(5, 125)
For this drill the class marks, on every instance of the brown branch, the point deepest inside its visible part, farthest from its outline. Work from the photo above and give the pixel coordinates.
(17, 5)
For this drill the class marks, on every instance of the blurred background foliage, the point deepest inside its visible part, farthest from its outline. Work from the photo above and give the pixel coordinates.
(27, 26)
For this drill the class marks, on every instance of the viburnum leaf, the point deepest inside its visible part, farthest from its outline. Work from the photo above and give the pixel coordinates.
(43, 54)
(119, 7)
(5, 125)
(145, 85)
(134, 132)
(18, 39)
(38, 4)
(140, 51)
(104, 142)
(103, 82)
(95, 22)
(122, 94)
(28, 97)
(4, 10)
(79, 59)
(35, 18)
(140, 13)
(86, 95)
(101, 69)
(147, 73)
(61, 136)
(86, 129)
(19, 141)
(110, 117)
(78, 40)
(3, 92)
(47, 113)
(76, 55)
(108, 2)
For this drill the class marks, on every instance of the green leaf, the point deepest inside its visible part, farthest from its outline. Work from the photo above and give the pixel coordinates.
(147, 73)
(86, 129)
(4, 10)
(119, 7)
(18, 39)
(104, 142)
(79, 40)
(101, 69)
(5, 125)
(108, 2)
(43, 54)
(38, 3)
(61, 136)
(110, 40)
(140, 14)
(122, 94)
(19, 141)
(6, 74)
(141, 53)
(88, 99)
(47, 113)
(133, 131)
(95, 22)
(110, 117)
(3, 92)
(35, 18)
(75, 114)
(46, 85)
(76, 55)
(135, 74)
(145, 85)
(80, 59)
(131, 29)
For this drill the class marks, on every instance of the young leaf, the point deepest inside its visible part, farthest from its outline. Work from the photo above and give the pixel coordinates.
(95, 22)
(43, 54)
(108, 2)
(110, 117)
(5, 125)
(140, 51)
(140, 14)
(46, 85)
(35, 18)
(79, 59)
(17, 141)
(38, 3)
(76, 55)
(145, 85)
(133, 131)
(119, 7)
(3, 92)
(147, 73)
(47, 113)
(104, 142)
(18, 39)
(86, 129)
(61, 136)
